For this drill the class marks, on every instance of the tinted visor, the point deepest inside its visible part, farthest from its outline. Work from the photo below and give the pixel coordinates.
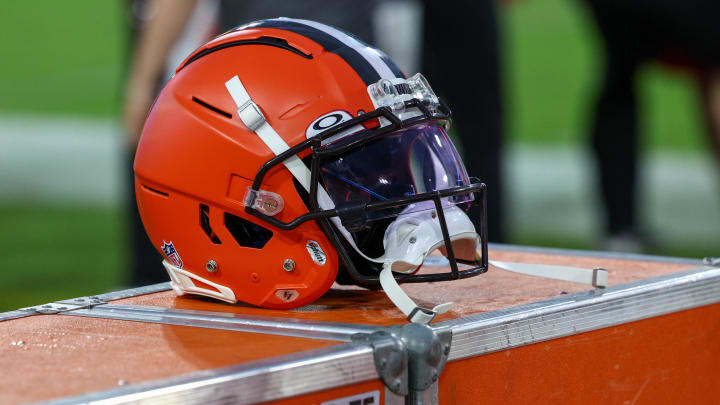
(410, 161)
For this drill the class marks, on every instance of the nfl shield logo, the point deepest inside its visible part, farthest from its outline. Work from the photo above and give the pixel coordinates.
(172, 255)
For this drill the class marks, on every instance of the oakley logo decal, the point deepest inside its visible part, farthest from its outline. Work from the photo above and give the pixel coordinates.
(316, 252)
(327, 121)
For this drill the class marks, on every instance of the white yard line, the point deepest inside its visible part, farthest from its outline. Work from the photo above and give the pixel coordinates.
(60, 159)
(553, 190)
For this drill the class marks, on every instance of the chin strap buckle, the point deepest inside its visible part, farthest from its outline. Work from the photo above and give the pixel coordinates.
(425, 315)
(251, 115)
(421, 315)
(413, 312)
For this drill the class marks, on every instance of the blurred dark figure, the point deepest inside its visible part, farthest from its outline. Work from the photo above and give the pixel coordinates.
(155, 26)
(682, 34)
(352, 16)
(462, 62)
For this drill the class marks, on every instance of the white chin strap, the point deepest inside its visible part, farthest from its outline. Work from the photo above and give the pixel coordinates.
(408, 240)
(411, 237)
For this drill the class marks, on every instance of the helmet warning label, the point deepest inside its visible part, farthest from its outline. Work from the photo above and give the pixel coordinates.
(316, 252)
(287, 295)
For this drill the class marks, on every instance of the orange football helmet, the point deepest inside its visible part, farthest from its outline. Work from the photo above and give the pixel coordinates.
(285, 155)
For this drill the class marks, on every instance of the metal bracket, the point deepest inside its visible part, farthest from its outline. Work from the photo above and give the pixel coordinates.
(712, 261)
(391, 361)
(409, 358)
(65, 305)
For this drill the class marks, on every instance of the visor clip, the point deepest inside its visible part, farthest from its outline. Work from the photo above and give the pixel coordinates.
(353, 215)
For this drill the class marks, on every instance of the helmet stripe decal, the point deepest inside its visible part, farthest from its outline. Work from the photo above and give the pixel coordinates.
(369, 63)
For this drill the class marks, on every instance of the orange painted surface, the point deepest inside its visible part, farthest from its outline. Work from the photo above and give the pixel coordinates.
(671, 359)
(496, 289)
(63, 355)
(190, 155)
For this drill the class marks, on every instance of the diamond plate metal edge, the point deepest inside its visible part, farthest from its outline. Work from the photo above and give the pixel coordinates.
(6, 316)
(498, 330)
(115, 295)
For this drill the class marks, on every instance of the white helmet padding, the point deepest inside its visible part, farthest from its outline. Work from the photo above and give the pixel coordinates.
(412, 236)
(409, 239)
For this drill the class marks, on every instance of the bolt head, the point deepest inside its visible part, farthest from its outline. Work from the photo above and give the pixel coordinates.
(211, 266)
(413, 239)
(289, 265)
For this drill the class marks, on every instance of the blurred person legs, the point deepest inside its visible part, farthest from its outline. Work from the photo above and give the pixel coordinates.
(145, 261)
(710, 96)
(155, 28)
(615, 144)
(461, 60)
(635, 32)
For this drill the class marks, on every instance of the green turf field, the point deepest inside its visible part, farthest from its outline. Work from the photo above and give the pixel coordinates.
(68, 57)
(62, 57)
(54, 252)
(553, 62)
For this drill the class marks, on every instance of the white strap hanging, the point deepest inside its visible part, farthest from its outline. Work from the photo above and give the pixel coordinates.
(597, 277)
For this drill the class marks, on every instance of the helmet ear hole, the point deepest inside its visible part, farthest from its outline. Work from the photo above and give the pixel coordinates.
(205, 224)
(246, 233)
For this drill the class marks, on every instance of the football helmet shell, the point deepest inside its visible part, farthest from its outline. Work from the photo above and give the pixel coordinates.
(230, 219)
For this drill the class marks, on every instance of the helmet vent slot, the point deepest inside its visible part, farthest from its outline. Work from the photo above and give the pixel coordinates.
(154, 191)
(246, 233)
(212, 108)
(205, 224)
